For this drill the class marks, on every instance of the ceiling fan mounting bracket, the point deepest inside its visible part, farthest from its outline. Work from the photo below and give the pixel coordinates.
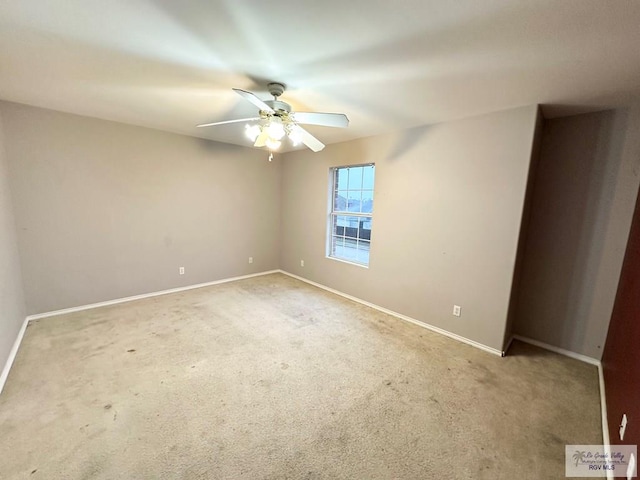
(276, 89)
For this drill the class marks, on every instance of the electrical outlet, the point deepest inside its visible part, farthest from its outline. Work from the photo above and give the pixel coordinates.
(181, 271)
(456, 310)
(623, 426)
(302, 263)
(250, 259)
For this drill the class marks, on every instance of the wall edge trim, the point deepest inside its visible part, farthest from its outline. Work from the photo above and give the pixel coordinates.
(508, 346)
(406, 318)
(12, 354)
(144, 295)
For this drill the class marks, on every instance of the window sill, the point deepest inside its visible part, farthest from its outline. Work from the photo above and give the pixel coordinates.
(361, 265)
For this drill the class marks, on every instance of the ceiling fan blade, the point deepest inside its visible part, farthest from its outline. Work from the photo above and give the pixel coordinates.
(261, 141)
(338, 120)
(252, 119)
(255, 100)
(309, 140)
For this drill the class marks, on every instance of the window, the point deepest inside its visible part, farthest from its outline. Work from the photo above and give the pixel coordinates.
(351, 213)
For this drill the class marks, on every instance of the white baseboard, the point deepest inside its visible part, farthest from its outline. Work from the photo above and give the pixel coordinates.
(144, 295)
(561, 351)
(606, 439)
(12, 354)
(399, 315)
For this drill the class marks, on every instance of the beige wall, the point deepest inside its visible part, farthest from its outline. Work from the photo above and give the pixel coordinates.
(106, 210)
(447, 214)
(584, 196)
(12, 311)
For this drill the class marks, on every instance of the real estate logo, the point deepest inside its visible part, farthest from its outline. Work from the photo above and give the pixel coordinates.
(600, 460)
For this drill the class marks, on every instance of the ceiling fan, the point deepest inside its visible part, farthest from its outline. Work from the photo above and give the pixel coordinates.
(276, 120)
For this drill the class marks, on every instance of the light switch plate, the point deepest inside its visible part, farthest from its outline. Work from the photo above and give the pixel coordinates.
(631, 468)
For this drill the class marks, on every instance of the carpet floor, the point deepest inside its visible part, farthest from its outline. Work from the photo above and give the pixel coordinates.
(271, 378)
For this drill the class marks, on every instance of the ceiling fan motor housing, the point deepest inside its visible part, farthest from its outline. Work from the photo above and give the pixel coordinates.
(279, 106)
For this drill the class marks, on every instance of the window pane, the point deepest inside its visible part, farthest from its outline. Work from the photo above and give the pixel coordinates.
(353, 202)
(337, 243)
(339, 225)
(342, 175)
(351, 230)
(367, 182)
(363, 255)
(343, 220)
(367, 201)
(365, 229)
(348, 250)
(340, 201)
(355, 178)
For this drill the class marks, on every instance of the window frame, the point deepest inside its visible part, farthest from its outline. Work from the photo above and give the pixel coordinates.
(334, 214)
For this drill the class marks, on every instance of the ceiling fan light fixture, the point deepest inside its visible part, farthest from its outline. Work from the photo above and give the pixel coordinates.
(275, 129)
(272, 144)
(276, 120)
(252, 131)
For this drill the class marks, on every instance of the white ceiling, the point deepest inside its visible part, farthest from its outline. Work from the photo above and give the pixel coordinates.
(388, 65)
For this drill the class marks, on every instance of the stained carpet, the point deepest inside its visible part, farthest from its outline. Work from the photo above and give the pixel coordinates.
(271, 378)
